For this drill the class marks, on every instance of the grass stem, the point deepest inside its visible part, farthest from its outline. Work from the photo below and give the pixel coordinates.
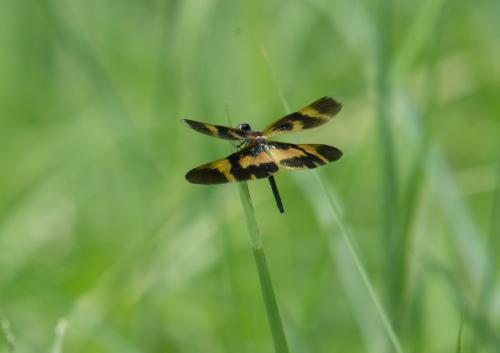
(266, 284)
(394, 242)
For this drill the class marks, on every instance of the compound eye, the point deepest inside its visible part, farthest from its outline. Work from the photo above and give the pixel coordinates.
(244, 127)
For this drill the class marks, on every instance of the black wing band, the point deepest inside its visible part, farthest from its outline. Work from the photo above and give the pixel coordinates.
(223, 132)
(315, 114)
(250, 163)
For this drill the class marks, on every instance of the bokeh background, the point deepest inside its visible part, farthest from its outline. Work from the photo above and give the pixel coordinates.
(103, 241)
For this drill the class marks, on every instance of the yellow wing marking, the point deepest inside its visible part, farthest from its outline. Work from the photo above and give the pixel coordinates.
(249, 160)
(310, 111)
(212, 129)
(224, 166)
(312, 150)
(313, 115)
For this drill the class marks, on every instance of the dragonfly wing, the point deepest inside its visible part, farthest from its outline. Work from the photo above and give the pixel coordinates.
(250, 163)
(302, 156)
(223, 132)
(315, 114)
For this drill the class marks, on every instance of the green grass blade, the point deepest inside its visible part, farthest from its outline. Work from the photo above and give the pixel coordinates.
(460, 330)
(359, 266)
(492, 242)
(343, 230)
(60, 332)
(253, 227)
(393, 240)
(8, 334)
(466, 234)
(266, 284)
(427, 20)
(414, 185)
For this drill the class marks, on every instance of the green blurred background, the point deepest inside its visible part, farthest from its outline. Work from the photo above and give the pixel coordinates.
(100, 232)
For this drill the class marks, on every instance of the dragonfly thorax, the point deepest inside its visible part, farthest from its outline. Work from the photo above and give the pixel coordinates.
(250, 135)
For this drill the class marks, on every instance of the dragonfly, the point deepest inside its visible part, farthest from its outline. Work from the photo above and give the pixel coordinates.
(260, 158)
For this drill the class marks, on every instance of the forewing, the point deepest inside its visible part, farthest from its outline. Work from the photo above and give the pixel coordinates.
(303, 156)
(315, 114)
(223, 132)
(249, 163)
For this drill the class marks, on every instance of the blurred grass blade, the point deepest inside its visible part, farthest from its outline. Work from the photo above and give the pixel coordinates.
(491, 246)
(394, 243)
(266, 285)
(427, 19)
(366, 314)
(466, 235)
(423, 115)
(336, 212)
(275, 80)
(60, 331)
(495, 215)
(460, 330)
(120, 122)
(8, 334)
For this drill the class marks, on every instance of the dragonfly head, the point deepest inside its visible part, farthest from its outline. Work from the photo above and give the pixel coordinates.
(244, 127)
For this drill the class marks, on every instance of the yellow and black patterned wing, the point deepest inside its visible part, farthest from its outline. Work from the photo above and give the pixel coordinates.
(303, 156)
(249, 163)
(223, 132)
(315, 114)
